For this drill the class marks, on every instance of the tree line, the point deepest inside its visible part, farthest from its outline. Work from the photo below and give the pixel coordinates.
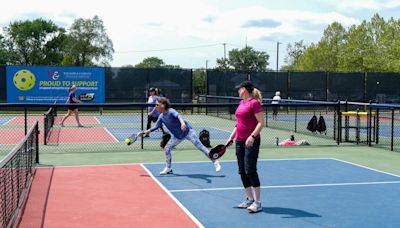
(372, 46)
(42, 42)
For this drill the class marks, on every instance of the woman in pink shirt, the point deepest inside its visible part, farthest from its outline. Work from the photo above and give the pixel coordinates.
(249, 123)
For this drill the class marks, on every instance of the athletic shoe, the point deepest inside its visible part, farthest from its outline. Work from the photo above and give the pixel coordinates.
(217, 166)
(245, 204)
(80, 125)
(255, 207)
(166, 170)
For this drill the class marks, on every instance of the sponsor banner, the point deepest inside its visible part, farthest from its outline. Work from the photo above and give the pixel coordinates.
(42, 84)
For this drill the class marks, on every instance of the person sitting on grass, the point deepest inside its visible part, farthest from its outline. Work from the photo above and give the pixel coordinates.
(291, 142)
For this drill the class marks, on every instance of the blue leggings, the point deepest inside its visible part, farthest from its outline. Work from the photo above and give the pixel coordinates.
(173, 142)
(247, 162)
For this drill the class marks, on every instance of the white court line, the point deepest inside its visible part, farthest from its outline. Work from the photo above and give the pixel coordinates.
(197, 222)
(290, 186)
(221, 129)
(98, 121)
(115, 139)
(365, 167)
(227, 161)
(7, 122)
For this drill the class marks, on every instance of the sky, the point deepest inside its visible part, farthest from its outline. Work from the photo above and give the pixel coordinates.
(194, 33)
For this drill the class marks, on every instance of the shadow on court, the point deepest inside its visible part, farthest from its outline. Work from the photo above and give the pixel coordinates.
(289, 212)
(206, 177)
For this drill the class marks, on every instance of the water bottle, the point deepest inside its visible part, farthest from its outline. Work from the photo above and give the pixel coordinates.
(277, 141)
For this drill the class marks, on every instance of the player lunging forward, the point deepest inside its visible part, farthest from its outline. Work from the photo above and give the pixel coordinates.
(180, 130)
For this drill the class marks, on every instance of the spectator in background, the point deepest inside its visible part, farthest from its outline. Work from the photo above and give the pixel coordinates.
(158, 92)
(275, 100)
(152, 113)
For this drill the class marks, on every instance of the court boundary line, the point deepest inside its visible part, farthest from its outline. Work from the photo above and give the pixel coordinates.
(290, 186)
(366, 167)
(112, 136)
(7, 122)
(191, 216)
(97, 120)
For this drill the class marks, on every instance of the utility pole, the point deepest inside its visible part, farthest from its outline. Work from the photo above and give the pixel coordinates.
(224, 50)
(277, 56)
(206, 64)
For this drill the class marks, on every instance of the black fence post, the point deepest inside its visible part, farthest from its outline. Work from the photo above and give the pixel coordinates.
(37, 143)
(26, 119)
(392, 131)
(142, 127)
(369, 124)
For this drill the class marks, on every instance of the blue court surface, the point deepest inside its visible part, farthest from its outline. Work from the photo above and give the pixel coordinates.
(295, 193)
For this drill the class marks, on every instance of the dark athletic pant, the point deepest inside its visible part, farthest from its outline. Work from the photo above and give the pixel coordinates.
(247, 162)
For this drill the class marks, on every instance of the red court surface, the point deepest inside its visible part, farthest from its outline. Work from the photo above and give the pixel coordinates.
(80, 135)
(13, 136)
(100, 196)
(20, 120)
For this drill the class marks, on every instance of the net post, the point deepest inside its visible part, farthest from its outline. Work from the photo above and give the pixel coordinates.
(377, 126)
(339, 126)
(295, 119)
(369, 124)
(37, 143)
(142, 127)
(392, 132)
(26, 119)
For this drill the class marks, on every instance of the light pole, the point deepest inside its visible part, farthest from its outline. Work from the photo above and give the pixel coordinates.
(206, 64)
(277, 56)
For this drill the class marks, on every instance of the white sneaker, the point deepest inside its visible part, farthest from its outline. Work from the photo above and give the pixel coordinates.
(166, 170)
(255, 207)
(217, 166)
(245, 204)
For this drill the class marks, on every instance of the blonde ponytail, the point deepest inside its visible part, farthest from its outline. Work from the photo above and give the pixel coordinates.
(257, 95)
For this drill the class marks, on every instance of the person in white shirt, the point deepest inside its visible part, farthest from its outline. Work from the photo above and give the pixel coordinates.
(275, 100)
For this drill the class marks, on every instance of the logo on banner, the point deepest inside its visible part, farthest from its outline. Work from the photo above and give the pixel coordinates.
(55, 75)
(24, 80)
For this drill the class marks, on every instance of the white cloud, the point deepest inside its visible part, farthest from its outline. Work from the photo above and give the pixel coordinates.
(354, 5)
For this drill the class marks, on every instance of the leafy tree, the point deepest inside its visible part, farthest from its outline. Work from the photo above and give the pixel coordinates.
(88, 43)
(155, 62)
(293, 54)
(4, 54)
(245, 59)
(200, 81)
(36, 42)
(370, 46)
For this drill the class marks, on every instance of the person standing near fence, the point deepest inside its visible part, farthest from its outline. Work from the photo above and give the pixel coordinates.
(152, 113)
(180, 130)
(72, 109)
(249, 123)
(275, 100)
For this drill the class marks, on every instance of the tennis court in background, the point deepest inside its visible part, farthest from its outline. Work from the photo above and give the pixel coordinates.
(296, 193)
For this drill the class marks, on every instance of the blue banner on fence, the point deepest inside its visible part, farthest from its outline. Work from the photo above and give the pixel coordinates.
(42, 84)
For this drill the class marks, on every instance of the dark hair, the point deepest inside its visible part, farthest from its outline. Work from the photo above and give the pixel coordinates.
(292, 138)
(164, 101)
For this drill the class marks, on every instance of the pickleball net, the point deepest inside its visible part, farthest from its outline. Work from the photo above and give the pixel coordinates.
(16, 173)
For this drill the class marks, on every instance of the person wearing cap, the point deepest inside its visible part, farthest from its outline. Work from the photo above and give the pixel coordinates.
(275, 100)
(72, 108)
(249, 123)
(152, 113)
